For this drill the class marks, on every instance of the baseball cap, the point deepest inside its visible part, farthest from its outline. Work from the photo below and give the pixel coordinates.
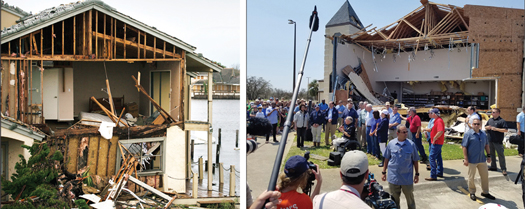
(354, 163)
(295, 166)
(316, 106)
(387, 103)
(385, 112)
(435, 111)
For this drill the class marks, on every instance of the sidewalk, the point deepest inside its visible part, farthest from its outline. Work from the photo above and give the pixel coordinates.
(260, 163)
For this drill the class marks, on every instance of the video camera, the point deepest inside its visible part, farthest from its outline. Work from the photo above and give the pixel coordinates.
(311, 178)
(375, 196)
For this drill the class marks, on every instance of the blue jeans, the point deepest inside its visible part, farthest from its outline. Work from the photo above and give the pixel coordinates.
(435, 158)
(419, 145)
(376, 146)
(370, 144)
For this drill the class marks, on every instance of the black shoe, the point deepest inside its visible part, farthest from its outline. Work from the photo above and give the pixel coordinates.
(440, 176)
(380, 164)
(428, 167)
(493, 169)
(275, 141)
(473, 197)
(489, 196)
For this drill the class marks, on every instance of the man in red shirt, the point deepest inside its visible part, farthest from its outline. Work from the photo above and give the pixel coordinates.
(437, 136)
(415, 129)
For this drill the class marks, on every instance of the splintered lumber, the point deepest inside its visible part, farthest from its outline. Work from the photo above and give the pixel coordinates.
(110, 97)
(134, 132)
(160, 119)
(171, 201)
(109, 114)
(149, 188)
(155, 104)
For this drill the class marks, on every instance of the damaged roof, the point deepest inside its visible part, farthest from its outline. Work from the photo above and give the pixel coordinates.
(345, 15)
(55, 14)
(22, 128)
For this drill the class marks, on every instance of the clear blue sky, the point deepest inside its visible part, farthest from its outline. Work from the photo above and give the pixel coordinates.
(270, 37)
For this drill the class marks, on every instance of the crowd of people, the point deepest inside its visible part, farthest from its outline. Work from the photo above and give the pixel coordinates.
(380, 134)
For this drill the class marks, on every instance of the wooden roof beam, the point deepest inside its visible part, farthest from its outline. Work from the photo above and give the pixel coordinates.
(381, 34)
(440, 24)
(461, 17)
(393, 32)
(148, 48)
(413, 27)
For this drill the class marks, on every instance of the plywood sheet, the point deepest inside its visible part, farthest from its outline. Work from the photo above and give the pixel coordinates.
(112, 155)
(102, 157)
(93, 154)
(72, 154)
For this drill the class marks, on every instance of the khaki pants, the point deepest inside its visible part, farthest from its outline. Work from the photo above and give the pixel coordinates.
(483, 174)
(361, 136)
(408, 191)
(392, 134)
(340, 122)
(329, 132)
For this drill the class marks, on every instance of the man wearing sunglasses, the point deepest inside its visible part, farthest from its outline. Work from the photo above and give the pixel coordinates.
(473, 144)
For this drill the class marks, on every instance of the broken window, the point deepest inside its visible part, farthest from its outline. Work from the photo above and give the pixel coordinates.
(148, 151)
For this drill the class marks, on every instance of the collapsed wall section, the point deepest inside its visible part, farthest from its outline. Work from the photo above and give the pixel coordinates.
(500, 34)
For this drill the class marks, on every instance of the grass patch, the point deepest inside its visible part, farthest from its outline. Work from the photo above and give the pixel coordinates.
(448, 151)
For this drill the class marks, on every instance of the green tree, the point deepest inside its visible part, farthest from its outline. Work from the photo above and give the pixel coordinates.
(313, 89)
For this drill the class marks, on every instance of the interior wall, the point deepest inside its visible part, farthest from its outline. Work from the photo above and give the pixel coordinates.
(422, 69)
(90, 78)
(175, 93)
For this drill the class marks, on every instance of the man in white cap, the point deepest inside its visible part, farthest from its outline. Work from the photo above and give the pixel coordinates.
(354, 173)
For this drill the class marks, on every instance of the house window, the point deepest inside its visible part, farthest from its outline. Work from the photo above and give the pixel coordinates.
(149, 152)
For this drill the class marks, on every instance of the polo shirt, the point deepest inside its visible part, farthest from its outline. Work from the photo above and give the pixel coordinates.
(271, 117)
(259, 115)
(352, 113)
(401, 159)
(317, 117)
(521, 119)
(475, 144)
(439, 125)
(496, 136)
(294, 199)
(362, 116)
(415, 123)
(340, 108)
(344, 197)
(395, 118)
(323, 106)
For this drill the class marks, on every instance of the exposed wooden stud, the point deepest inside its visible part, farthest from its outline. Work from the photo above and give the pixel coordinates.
(146, 48)
(88, 36)
(10, 47)
(138, 43)
(74, 35)
(41, 42)
(145, 44)
(31, 92)
(42, 120)
(125, 41)
(105, 49)
(381, 34)
(440, 24)
(114, 42)
(63, 37)
(174, 51)
(84, 34)
(154, 46)
(110, 47)
(30, 45)
(96, 30)
(164, 53)
(19, 46)
(52, 40)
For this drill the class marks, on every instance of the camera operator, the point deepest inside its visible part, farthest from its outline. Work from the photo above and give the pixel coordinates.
(296, 174)
(400, 156)
(354, 173)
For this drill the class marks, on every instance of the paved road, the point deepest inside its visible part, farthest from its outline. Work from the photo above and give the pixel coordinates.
(442, 194)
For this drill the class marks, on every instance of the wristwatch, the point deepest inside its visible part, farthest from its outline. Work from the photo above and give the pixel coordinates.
(417, 174)
(384, 173)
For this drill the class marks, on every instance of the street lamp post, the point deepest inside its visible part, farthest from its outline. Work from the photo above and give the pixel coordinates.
(294, 36)
(307, 88)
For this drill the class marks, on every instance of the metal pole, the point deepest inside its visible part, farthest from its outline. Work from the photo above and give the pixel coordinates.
(284, 136)
(294, 49)
(307, 88)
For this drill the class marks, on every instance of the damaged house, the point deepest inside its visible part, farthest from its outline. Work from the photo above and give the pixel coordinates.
(438, 54)
(75, 70)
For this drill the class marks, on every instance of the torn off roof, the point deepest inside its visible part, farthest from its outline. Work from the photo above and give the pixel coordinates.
(345, 15)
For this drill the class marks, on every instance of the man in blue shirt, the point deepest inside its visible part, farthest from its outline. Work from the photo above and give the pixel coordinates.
(520, 123)
(271, 115)
(316, 122)
(350, 111)
(401, 157)
(331, 123)
(473, 144)
(427, 134)
(323, 106)
(395, 120)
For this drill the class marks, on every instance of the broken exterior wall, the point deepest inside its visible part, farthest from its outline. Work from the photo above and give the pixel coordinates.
(328, 56)
(500, 34)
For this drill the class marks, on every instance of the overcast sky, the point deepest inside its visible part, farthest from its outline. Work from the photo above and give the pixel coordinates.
(270, 37)
(211, 26)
